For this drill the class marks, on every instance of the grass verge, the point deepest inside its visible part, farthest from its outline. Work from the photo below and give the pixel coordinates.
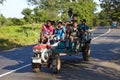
(17, 36)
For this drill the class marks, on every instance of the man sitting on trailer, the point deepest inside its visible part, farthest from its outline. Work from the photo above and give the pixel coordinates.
(60, 31)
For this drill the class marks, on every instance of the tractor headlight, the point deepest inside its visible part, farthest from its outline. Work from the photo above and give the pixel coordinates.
(35, 50)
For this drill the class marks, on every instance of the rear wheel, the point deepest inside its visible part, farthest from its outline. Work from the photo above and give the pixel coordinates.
(86, 53)
(56, 64)
(36, 67)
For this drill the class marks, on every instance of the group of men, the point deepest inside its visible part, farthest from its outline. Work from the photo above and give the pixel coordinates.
(64, 30)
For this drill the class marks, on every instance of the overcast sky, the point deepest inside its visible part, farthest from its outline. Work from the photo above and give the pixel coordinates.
(13, 8)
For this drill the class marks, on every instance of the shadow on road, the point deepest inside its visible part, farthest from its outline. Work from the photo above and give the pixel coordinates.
(86, 71)
(16, 58)
(104, 64)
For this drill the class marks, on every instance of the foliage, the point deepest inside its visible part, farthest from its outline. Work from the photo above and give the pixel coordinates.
(17, 21)
(49, 9)
(2, 20)
(11, 21)
(27, 15)
(111, 9)
(16, 36)
(1, 1)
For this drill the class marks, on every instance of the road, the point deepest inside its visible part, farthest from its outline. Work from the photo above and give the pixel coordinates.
(104, 62)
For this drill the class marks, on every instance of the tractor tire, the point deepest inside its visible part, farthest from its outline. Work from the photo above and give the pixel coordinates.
(36, 67)
(56, 64)
(86, 53)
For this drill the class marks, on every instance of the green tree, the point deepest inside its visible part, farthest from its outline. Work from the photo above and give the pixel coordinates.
(2, 20)
(27, 15)
(37, 15)
(49, 9)
(112, 9)
(102, 19)
(9, 22)
(17, 21)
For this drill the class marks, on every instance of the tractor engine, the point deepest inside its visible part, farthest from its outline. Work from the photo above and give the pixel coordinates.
(42, 53)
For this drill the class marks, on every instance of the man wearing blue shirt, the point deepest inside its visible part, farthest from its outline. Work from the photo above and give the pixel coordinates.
(84, 26)
(85, 37)
(60, 31)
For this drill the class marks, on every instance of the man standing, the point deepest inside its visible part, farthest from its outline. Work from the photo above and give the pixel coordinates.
(70, 15)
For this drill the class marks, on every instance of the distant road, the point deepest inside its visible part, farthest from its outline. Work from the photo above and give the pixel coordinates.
(104, 62)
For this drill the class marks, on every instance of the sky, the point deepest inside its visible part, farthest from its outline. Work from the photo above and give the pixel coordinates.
(13, 8)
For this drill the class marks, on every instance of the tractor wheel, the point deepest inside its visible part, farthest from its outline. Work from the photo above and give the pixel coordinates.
(56, 64)
(86, 54)
(36, 67)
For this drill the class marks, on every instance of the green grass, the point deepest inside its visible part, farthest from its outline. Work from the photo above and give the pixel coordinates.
(17, 36)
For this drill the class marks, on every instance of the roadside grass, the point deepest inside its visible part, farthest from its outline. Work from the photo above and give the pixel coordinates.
(17, 36)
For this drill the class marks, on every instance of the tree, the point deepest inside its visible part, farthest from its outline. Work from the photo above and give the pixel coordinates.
(49, 9)
(2, 20)
(17, 21)
(37, 15)
(27, 15)
(1, 1)
(112, 9)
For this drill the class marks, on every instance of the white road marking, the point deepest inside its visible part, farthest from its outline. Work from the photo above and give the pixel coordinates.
(102, 34)
(12, 71)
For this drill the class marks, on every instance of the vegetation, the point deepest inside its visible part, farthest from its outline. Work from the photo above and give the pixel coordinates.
(50, 9)
(16, 36)
(28, 16)
(110, 12)
(1, 1)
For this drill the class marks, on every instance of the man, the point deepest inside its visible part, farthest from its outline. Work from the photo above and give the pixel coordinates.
(70, 15)
(84, 38)
(74, 37)
(60, 31)
(73, 31)
(84, 26)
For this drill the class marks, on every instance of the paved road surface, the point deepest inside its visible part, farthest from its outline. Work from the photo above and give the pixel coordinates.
(104, 62)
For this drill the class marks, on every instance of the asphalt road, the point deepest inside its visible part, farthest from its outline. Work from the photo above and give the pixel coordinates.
(104, 62)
